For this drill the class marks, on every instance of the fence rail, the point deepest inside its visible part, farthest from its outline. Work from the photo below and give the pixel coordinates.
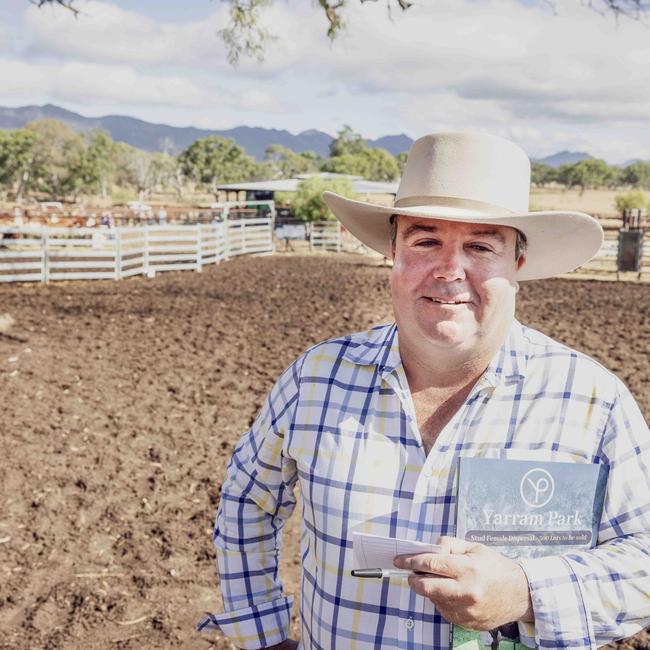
(45, 254)
(325, 236)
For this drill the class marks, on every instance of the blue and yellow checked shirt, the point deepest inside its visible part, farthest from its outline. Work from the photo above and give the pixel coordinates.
(340, 423)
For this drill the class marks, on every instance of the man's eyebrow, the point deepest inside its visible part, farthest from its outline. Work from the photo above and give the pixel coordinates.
(421, 227)
(418, 227)
(489, 233)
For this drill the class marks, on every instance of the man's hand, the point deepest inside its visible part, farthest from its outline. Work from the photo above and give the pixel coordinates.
(473, 586)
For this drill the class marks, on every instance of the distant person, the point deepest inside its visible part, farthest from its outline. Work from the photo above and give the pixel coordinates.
(162, 215)
(371, 426)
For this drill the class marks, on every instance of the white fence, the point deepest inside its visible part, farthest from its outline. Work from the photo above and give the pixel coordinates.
(45, 254)
(325, 236)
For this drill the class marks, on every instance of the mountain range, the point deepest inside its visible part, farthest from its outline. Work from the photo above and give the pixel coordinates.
(173, 139)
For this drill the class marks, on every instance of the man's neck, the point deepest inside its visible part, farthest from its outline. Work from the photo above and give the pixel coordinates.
(444, 370)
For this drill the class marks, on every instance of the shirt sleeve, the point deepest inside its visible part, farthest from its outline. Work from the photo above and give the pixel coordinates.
(591, 598)
(256, 499)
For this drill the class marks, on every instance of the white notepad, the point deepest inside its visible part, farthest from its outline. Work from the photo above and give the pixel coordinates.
(377, 552)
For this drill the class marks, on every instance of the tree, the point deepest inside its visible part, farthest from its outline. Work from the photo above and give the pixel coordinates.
(308, 204)
(401, 159)
(637, 174)
(349, 154)
(16, 159)
(55, 144)
(135, 168)
(88, 165)
(347, 142)
(286, 163)
(541, 174)
(214, 160)
(244, 36)
(371, 164)
(585, 173)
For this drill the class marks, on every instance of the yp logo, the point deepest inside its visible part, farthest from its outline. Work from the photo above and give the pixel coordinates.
(537, 487)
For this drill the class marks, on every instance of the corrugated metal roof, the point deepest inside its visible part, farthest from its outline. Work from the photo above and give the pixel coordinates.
(359, 186)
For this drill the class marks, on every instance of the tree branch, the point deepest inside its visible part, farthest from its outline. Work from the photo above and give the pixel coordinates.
(67, 4)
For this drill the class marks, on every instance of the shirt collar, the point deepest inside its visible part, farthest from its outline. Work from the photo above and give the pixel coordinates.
(381, 349)
(509, 364)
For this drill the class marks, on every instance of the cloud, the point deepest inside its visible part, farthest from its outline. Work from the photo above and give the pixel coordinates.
(90, 82)
(497, 65)
(105, 33)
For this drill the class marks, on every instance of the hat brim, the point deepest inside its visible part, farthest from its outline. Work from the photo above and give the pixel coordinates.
(558, 242)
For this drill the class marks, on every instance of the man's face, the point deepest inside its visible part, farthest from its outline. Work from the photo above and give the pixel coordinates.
(453, 284)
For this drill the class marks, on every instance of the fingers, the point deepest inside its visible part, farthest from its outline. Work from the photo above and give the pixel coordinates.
(455, 545)
(436, 589)
(448, 566)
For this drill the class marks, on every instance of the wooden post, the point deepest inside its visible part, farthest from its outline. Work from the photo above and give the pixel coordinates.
(45, 268)
(198, 248)
(145, 252)
(118, 253)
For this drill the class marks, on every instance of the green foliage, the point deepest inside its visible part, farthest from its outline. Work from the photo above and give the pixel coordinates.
(244, 36)
(282, 162)
(541, 174)
(308, 204)
(349, 154)
(637, 174)
(56, 147)
(631, 200)
(347, 142)
(400, 158)
(16, 159)
(215, 160)
(371, 164)
(586, 173)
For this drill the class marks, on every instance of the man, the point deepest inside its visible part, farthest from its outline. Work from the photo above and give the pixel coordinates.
(371, 426)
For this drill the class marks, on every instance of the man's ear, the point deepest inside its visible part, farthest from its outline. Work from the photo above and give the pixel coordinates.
(521, 261)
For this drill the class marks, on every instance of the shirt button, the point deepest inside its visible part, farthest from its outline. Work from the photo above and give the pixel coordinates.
(410, 623)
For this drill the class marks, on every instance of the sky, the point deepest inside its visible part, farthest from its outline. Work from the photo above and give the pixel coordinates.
(550, 76)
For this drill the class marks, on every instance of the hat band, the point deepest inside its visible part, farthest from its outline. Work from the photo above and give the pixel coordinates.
(452, 202)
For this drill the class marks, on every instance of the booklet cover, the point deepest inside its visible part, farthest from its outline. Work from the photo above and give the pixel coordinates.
(525, 509)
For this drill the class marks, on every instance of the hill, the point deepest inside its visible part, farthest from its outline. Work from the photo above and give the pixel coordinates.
(162, 137)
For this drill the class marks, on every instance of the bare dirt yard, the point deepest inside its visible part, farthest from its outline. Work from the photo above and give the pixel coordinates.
(121, 404)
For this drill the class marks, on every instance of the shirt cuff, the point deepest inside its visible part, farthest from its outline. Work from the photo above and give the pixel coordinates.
(253, 627)
(561, 616)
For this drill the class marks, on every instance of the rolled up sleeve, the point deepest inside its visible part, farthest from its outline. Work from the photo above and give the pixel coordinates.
(256, 499)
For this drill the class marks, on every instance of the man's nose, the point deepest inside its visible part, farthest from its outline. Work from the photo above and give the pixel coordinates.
(449, 264)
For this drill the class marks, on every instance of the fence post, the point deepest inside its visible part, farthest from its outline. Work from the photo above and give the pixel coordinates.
(118, 253)
(242, 225)
(215, 230)
(45, 250)
(271, 227)
(198, 248)
(226, 240)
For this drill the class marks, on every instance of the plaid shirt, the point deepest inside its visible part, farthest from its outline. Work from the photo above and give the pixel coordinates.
(340, 422)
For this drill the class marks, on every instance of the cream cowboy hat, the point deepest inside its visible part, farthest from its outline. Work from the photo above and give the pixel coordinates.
(475, 178)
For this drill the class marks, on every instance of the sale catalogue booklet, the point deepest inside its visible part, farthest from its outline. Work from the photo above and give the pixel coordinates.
(525, 509)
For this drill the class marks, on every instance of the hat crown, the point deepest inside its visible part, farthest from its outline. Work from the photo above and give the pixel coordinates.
(469, 167)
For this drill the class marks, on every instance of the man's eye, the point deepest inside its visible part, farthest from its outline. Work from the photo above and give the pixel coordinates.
(426, 243)
(481, 248)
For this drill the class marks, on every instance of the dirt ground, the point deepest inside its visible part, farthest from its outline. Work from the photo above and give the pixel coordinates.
(122, 401)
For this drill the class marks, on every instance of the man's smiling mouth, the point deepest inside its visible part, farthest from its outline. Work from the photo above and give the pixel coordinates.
(443, 301)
